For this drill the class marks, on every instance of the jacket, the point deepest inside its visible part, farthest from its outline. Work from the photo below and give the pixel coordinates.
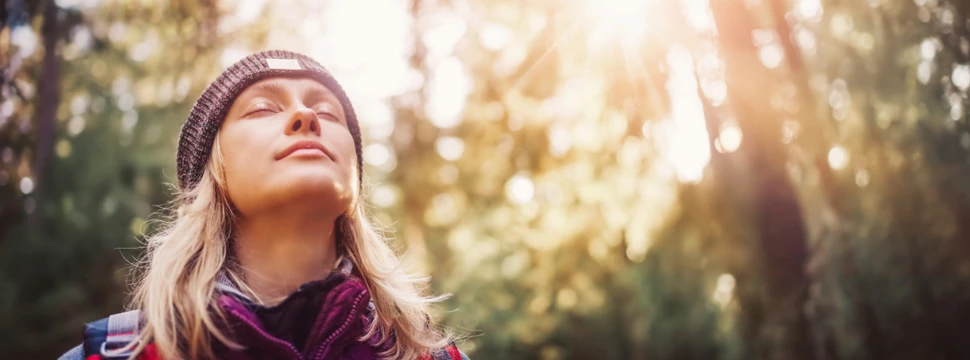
(322, 320)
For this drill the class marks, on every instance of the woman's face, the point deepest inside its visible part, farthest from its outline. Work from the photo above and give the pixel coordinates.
(285, 143)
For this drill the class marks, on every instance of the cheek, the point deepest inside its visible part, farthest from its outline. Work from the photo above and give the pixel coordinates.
(345, 143)
(241, 160)
(232, 150)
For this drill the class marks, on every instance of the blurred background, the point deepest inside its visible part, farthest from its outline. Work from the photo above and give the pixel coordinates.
(591, 179)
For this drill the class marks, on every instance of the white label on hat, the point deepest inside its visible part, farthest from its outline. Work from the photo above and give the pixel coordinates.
(283, 64)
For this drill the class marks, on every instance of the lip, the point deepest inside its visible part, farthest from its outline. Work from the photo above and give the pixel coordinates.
(304, 145)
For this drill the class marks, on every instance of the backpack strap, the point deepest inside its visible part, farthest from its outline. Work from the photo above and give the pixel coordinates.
(123, 330)
(449, 352)
(109, 338)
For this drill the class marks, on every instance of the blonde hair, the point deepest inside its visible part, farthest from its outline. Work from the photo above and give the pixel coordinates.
(175, 285)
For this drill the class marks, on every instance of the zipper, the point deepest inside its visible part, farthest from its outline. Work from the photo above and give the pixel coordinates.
(343, 327)
(296, 353)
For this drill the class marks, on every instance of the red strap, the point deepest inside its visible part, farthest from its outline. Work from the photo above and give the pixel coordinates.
(453, 351)
(149, 353)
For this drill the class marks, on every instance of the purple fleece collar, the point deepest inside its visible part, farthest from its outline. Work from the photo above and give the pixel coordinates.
(323, 319)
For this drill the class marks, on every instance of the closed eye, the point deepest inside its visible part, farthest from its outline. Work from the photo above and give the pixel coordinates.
(259, 110)
(328, 115)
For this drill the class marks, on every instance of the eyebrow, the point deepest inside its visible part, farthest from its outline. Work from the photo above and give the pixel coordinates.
(316, 94)
(271, 88)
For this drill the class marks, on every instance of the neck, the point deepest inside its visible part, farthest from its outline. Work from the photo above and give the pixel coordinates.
(278, 252)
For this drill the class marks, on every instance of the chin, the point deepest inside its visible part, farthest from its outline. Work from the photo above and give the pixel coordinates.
(292, 188)
(304, 185)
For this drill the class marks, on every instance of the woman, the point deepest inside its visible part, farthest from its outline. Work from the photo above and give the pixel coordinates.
(269, 255)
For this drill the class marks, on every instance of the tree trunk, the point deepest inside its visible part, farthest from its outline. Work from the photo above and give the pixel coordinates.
(49, 96)
(777, 214)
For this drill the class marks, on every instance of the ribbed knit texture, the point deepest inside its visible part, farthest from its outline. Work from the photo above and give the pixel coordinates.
(199, 130)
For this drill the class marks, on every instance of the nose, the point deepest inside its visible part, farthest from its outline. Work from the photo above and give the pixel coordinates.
(303, 120)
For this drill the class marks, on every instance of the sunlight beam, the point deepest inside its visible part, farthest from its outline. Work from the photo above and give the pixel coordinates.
(624, 20)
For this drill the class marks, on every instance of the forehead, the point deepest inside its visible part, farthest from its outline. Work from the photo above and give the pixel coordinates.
(282, 84)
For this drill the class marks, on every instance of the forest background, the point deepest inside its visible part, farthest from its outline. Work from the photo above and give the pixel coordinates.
(591, 179)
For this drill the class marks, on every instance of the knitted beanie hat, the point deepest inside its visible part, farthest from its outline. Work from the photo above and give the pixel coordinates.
(199, 130)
